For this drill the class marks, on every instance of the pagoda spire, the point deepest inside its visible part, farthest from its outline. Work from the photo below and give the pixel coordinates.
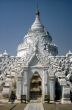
(37, 23)
(37, 10)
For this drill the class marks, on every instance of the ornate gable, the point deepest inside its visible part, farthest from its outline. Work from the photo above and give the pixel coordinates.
(34, 61)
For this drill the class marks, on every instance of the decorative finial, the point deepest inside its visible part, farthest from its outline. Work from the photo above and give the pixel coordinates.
(69, 51)
(5, 53)
(37, 10)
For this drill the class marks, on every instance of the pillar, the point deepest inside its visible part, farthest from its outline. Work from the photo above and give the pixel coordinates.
(52, 88)
(44, 84)
(25, 84)
(18, 89)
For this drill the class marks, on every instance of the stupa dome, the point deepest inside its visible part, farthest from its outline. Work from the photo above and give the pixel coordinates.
(37, 38)
(5, 53)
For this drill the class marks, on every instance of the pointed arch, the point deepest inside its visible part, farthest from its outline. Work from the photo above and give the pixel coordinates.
(35, 86)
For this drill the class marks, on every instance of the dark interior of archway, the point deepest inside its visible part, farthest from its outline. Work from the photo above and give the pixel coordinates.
(71, 95)
(58, 90)
(35, 87)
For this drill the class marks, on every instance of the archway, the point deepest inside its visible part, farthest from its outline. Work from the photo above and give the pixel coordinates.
(58, 90)
(35, 87)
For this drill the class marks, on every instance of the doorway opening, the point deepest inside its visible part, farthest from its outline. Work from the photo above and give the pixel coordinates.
(35, 87)
(58, 90)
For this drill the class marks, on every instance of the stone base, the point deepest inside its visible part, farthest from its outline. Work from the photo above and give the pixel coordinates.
(18, 97)
(65, 101)
(52, 101)
(6, 92)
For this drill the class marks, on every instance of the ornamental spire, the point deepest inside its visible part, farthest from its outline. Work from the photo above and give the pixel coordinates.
(37, 24)
(37, 10)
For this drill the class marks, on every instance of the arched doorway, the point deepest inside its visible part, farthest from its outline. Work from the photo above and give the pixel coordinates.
(35, 87)
(58, 90)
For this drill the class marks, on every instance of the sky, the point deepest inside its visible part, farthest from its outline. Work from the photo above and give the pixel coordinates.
(17, 16)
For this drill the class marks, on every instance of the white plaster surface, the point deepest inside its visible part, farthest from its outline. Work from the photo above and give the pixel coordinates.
(37, 53)
(34, 106)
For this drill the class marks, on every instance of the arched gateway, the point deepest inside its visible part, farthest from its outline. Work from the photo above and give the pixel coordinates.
(39, 72)
(35, 87)
(35, 52)
(38, 53)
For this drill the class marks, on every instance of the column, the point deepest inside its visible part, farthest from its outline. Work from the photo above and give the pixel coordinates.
(18, 89)
(45, 82)
(25, 84)
(52, 89)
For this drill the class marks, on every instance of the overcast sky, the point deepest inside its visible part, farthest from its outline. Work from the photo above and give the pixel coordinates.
(17, 16)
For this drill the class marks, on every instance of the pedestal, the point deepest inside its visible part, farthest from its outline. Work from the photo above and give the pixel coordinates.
(65, 95)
